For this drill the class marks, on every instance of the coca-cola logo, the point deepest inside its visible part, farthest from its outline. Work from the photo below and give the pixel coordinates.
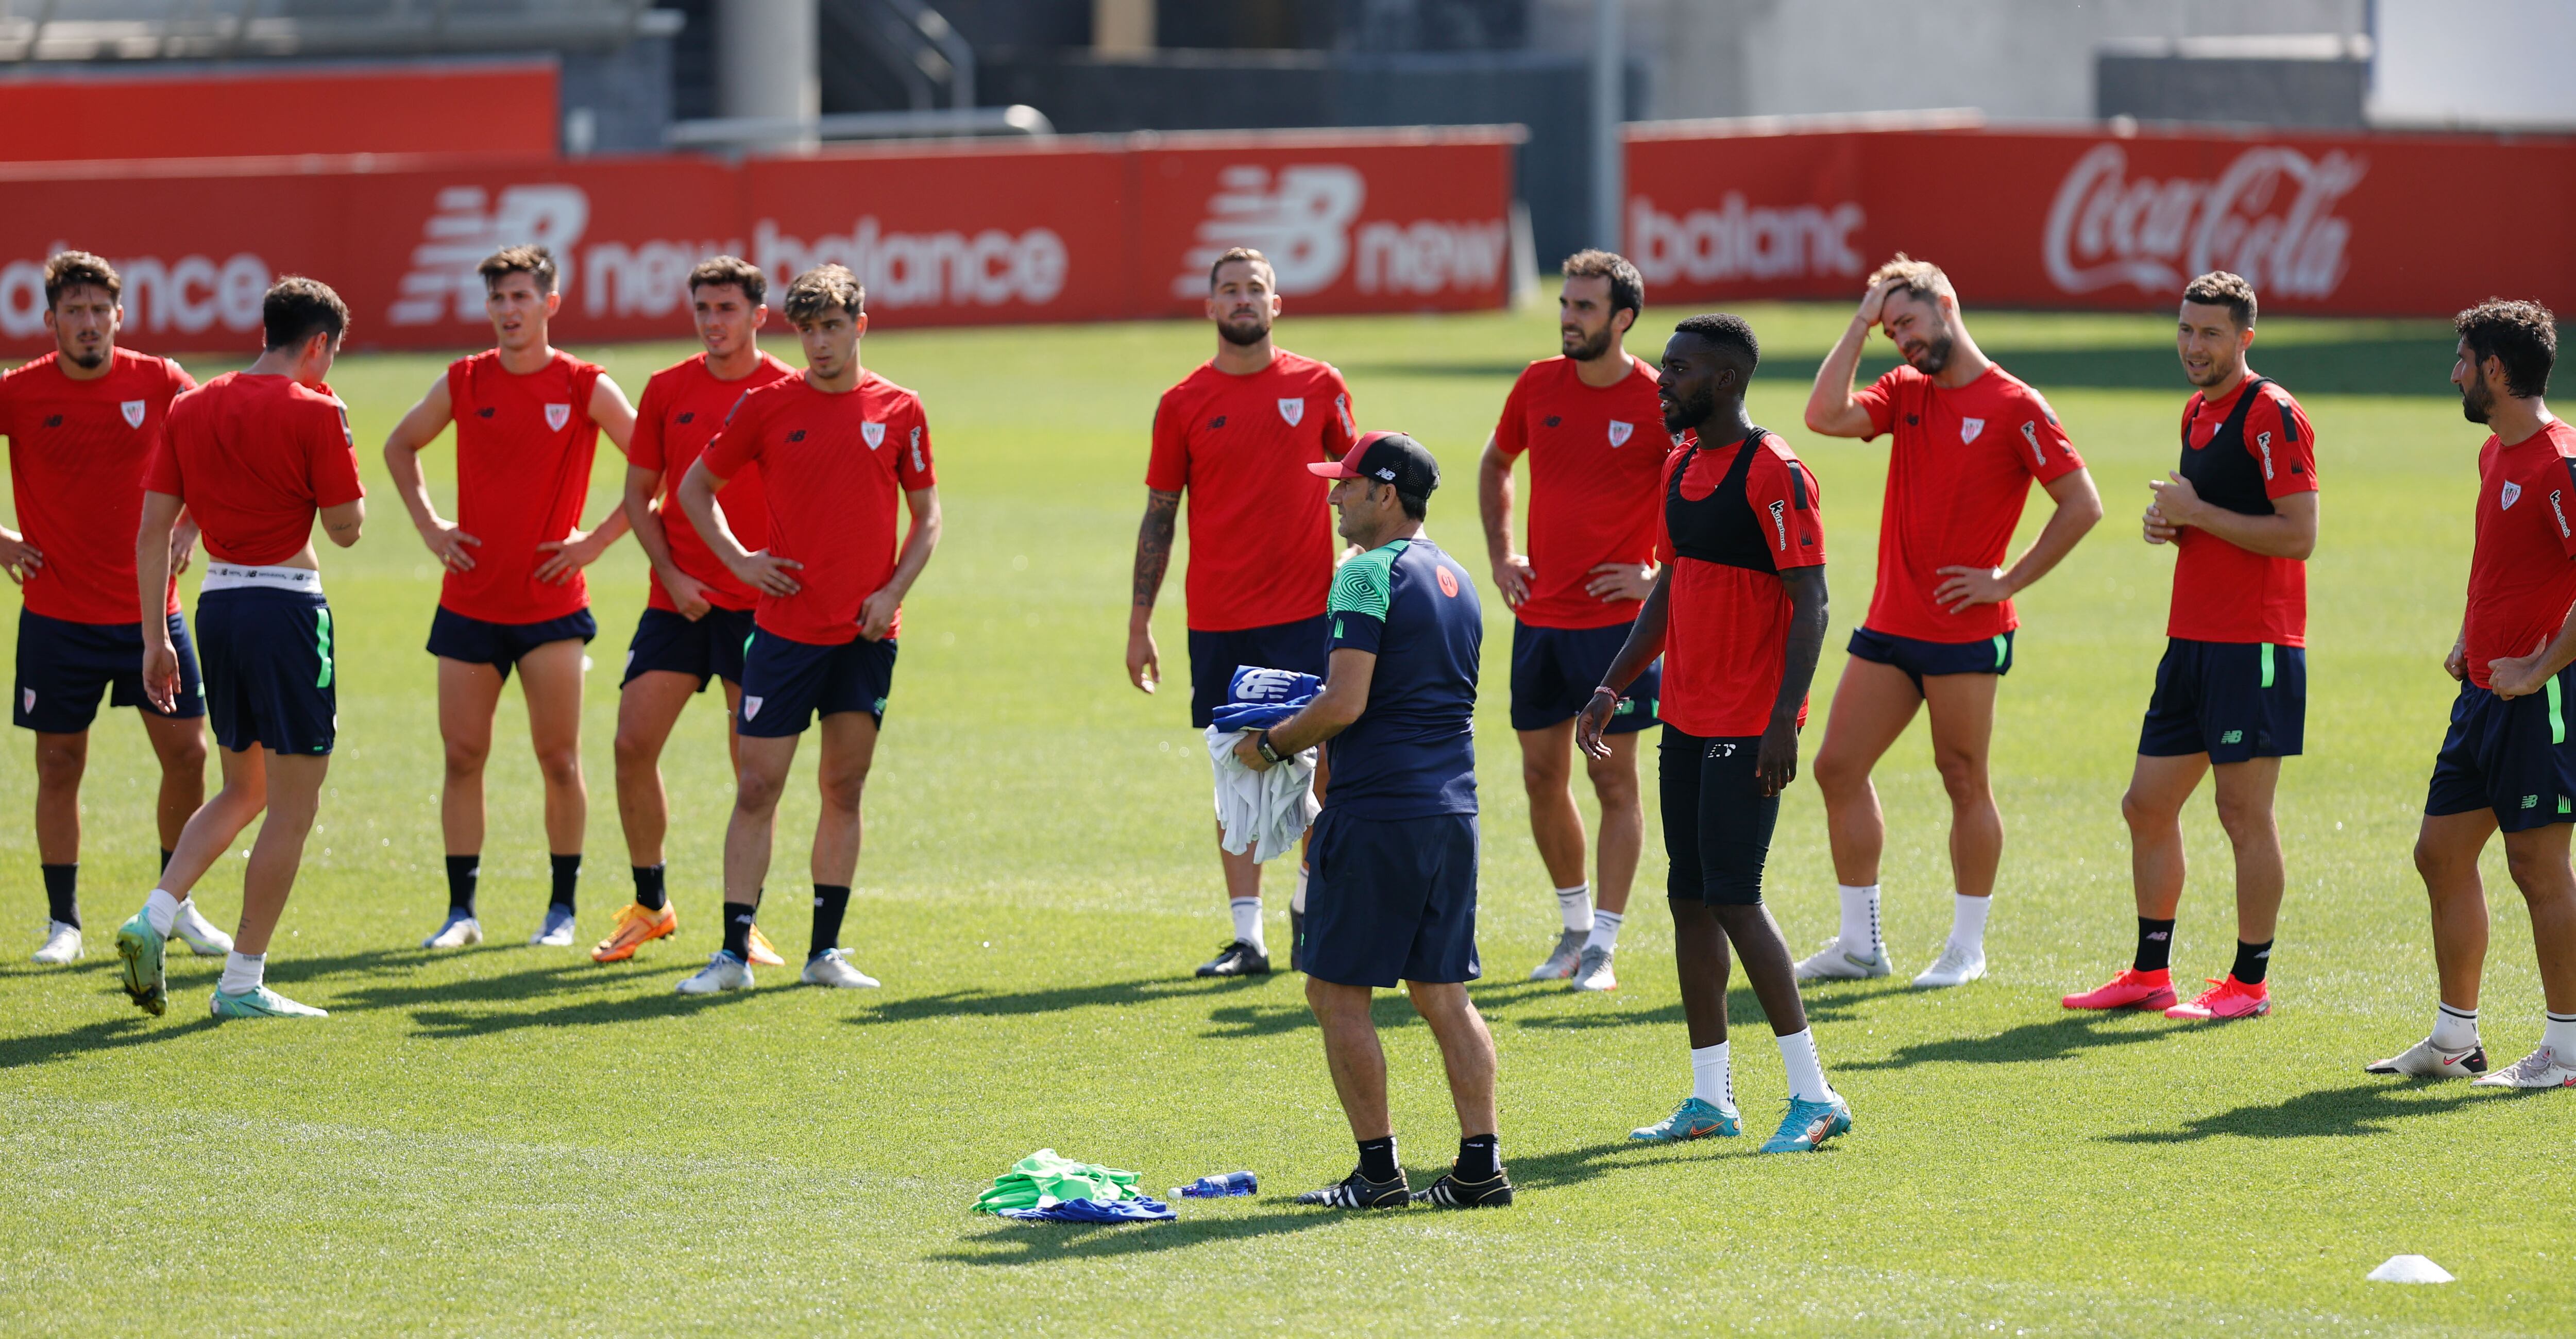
(2269, 217)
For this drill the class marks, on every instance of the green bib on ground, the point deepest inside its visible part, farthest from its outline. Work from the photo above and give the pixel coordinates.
(1042, 1179)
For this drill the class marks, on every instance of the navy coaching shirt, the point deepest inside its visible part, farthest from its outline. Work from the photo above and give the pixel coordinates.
(1412, 752)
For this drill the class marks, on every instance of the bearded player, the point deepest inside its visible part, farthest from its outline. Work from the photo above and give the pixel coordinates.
(1969, 440)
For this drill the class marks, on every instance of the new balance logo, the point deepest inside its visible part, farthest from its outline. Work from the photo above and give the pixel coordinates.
(1780, 524)
(796, 436)
(1219, 423)
(2558, 511)
(2232, 737)
(688, 416)
(53, 420)
(1554, 421)
(484, 412)
(470, 223)
(2530, 801)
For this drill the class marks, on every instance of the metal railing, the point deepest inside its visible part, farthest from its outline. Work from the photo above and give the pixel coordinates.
(739, 132)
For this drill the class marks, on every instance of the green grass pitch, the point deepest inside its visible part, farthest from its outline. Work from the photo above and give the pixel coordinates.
(516, 1140)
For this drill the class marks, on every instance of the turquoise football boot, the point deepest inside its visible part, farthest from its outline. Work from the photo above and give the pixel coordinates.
(261, 1002)
(1808, 1125)
(141, 948)
(1693, 1119)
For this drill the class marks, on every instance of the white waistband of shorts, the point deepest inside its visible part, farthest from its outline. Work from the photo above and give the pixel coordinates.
(237, 576)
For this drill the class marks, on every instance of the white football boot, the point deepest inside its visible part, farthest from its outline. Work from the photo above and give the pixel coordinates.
(2544, 1068)
(62, 944)
(832, 968)
(460, 931)
(723, 971)
(1833, 962)
(2424, 1060)
(1595, 972)
(1955, 967)
(204, 940)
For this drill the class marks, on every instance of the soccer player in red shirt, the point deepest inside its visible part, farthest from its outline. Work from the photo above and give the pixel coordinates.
(834, 448)
(697, 618)
(1970, 438)
(255, 456)
(1237, 435)
(528, 419)
(81, 421)
(1738, 613)
(1592, 428)
(2232, 691)
(2507, 762)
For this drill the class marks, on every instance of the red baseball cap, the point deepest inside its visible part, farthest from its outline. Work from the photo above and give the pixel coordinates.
(1387, 457)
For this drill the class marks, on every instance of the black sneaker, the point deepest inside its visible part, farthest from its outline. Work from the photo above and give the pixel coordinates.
(1451, 1193)
(1358, 1192)
(1296, 940)
(1237, 958)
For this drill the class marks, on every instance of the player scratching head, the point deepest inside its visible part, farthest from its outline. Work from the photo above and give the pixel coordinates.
(828, 307)
(2216, 331)
(519, 295)
(1913, 301)
(1602, 296)
(1707, 364)
(728, 298)
(304, 322)
(1243, 300)
(1382, 488)
(2506, 351)
(83, 308)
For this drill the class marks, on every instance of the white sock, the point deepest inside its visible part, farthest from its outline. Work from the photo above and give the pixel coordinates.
(1575, 904)
(1806, 1072)
(1297, 899)
(2454, 1029)
(1247, 922)
(2559, 1034)
(1968, 921)
(161, 910)
(1713, 1077)
(1605, 931)
(1860, 919)
(243, 973)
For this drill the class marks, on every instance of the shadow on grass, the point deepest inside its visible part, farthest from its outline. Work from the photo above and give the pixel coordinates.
(1058, 999)
(1824, 1005)
(108, 1034)
(2363, 1108)
(2055, 1039)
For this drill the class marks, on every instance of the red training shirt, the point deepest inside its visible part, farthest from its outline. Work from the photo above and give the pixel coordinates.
(1957, 474)
(1726, 630)
(2521, 583)
(683, 407)
(835, 468)
(1596, 473)
(255, 457)
(1261, 531)
(2222, 593)
(76, 456)
(523, 451)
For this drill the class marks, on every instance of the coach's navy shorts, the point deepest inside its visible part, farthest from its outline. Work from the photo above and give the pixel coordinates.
(2231, 700)
(1717, 821)
(269, 672)
(2511, 757)
(787, 683)
(1920, 659)
(1303, 646)
(1554, 671)
(1391, 900)
(500, 645)
(63, 666)
(712, 646)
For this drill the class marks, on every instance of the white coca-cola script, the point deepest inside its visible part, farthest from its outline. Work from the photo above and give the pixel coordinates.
(2269, 217)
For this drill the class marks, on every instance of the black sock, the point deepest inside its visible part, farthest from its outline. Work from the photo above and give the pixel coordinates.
(1377, 1159)
(2155, 946)
(166, 853)
(1479, 1159)
(462, 871)
(62, 892)
(567, 878)
(2251, 961)
(648, 888)
(737, 929)
(830, 900)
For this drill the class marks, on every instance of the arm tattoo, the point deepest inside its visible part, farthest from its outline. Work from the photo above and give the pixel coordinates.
(1154, 544)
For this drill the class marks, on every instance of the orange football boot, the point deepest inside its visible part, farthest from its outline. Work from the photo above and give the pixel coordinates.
(635, 927)
(762, 955)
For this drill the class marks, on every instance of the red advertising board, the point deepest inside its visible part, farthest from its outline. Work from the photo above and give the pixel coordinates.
(503, 108)
(1066, 230)
(2350, 224)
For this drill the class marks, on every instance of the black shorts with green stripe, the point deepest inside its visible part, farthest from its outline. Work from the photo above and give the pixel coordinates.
(2234, 701)
(2511, 757)
(1920, 659)
(269, 669)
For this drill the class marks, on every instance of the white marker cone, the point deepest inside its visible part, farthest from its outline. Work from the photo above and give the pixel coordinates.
(2410, 1269)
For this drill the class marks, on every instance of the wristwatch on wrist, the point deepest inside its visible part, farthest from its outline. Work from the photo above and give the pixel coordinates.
(1262, 742)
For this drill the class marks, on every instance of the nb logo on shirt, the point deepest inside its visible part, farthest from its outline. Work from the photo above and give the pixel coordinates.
(1553, 421)
(53, 420)
(796, 436)
(687, 416)
(1219, 423)
(484, 412)
(1779, 523)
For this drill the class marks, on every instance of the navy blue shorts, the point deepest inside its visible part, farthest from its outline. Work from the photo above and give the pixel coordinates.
(1717, 821)
(2511, 757)
(1920, 658)
(787, 683)
(453, 636)
(710, 647)
(63, 666)
(1391, 900)
(270, 679)
(1554, 671)
(2231, 700)
(1303, 646)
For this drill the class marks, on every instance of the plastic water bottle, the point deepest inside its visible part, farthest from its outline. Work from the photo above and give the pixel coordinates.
(1218, 1187)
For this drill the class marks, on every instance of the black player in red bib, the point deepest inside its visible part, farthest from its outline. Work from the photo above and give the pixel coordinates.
(2231, 695)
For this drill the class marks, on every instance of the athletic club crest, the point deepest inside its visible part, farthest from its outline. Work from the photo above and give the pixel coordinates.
(133, 410)
(1619, 432)
(2512, 494)
(557, 415)
(874, 432)
(1969, 428)
(1293, 410)
(750, 707)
